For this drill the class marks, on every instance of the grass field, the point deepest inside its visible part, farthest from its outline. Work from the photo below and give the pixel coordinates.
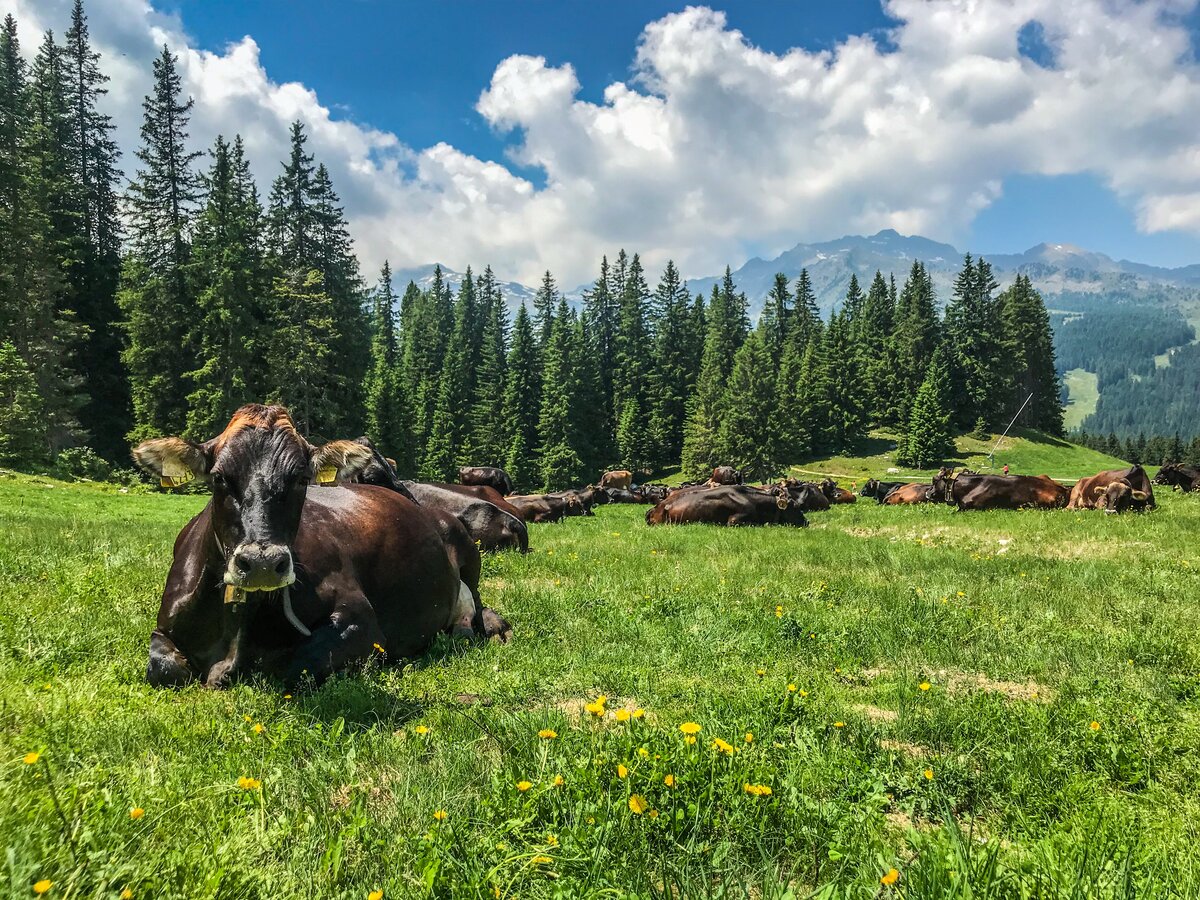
(1083, 394)
(962, 705)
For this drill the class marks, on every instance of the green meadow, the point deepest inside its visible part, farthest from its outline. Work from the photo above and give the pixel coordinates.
(894, 702)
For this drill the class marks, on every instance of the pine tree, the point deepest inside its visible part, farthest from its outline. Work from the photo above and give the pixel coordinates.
(975, 342)
(426, 337)
(776, 317)
(23, 438)
(488, 430)
(705, 406)
(601, 313)
(292, 219)
(446, 446)
(916, 336)
(928, 437)
(632, 368)
(154, 294)
(852, 306)
(94, 158)
(673, 372)
(561, 462)
(748, 438)
(386, 416)
(842, 377)
(873, 344)
(301, 366)
(229, 278)
(1030, 345)
(522, 405)
(544, 303)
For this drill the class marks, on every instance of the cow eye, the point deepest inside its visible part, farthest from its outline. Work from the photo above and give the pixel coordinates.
(218, 482)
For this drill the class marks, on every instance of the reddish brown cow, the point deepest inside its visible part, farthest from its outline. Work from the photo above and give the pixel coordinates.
(971, 492)
(906, 494)
(487, 476)
(618, 478)
(726, 475)
(729, 505)
(292, 579)
(1114, 491)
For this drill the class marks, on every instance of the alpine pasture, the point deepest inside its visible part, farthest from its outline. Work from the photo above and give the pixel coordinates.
(907, 702)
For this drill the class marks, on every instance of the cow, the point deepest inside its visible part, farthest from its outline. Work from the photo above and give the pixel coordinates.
(836, 494)
(729, 505)
(487, 476)
(625, 495)
(1179, 477)
(1114, 491)
(726, 475)
(618, 478)
(808, 496)
(907, 494)
(654, 493)
(296, 580)
(547, 507)
(971, 492)
(479, 492)
(593, 496)
(880, 489)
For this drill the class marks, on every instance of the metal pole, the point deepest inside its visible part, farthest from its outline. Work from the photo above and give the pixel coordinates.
(992, 455)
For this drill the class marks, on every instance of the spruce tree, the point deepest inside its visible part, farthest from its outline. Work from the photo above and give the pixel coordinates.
(974, 340)
(1030, 344)
(229, 278)
(916, 336)
(561, 461)
(632, 369)
(928, 438)
(521, 405)
(842, 376)
(155, 297)
(873, 344)
(386, 416)
(301, 367)
(94, 158)
(705, 406)
(748, 438)
(673, 372)
(488, 441)
(448, 433)
(426, 338)
(23, 438)
(601, 310)
(776, 317)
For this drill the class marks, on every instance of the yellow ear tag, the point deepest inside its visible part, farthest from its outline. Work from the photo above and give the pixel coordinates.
(234, 594)
(174, 476)
(327, 476)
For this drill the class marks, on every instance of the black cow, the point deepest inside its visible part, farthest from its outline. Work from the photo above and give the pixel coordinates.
(1179, 477)
(487, 476)
(880, 489)
(970, 491)
(729, 505)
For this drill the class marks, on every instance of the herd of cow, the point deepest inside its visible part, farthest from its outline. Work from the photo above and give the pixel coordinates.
(298, 582)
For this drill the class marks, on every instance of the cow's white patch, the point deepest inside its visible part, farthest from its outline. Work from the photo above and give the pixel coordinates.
(464, 606)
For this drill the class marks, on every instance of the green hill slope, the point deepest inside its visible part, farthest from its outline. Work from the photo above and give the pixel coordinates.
(1025, 451)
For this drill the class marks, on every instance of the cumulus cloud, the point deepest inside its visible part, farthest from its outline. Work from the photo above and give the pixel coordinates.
(715, 148)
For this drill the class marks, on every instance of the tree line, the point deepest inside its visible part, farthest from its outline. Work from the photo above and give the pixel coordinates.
(160, 305)
(1155, 450)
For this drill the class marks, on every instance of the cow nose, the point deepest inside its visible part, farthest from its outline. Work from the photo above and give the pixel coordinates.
(265, 566)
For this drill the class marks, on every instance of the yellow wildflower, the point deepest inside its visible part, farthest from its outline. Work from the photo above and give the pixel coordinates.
(541, 860)
(757, 790)
(929, 774)
(622, 772)
(760, 672)
(378, 648)
(287, 696)
(924, 685)
(638, 713)
(441, 815)
(622, 715)
(31, 758)
(792, 689)
(690, 739)
(596, 707)
(422, 729)
(523, 786)
(669, 781)
(248, 718)
(637, 804)
(723, 747)
(136, 813)
(653, 814)
(779, 612)
(248, 784)
(42, 886)
(643, 753)
(547, 734)
(258, 728)
(890, 878)
(558, 781)
(1095, 726)
(127, 894)
(552, 840)
(375, 895)
(839, 724)
(689, 728)
(749, 737)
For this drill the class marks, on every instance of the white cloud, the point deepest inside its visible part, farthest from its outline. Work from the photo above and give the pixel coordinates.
(716, 148)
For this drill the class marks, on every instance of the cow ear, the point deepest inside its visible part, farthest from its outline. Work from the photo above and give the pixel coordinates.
(339, 461)
(1139, 496)
(1099, 488)
(174, 460)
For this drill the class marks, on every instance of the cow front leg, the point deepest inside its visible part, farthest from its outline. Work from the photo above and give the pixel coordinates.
(352, 634)
(235, 617)
(168, 667)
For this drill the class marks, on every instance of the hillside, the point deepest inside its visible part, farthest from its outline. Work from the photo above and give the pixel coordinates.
(1026, 453)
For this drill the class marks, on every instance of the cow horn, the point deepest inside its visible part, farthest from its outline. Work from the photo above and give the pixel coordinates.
(291, 613)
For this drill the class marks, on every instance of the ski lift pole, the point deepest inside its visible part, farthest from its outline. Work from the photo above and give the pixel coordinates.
(992, 455)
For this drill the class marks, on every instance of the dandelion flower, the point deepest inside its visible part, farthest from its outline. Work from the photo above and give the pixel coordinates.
(136, 813)
(547, 734)
(792, 689)
(622, 772)
(689, 728)
(779, 612)
(258, 728)
(643, 753)
(441, 815)
(757, 790)
(422, 729)
(541, 860)
(127, 894)
(690, 739)
(622, 715)
(42, 886)
(760, 672)
(378, 648)
(523, 786)
(749, 737)
(31, 758)
(890, 878)
(723, 747)
(638, 713)
(637, 804)
(1095, 726)
(558, 781)
(375, 895)
(924, 685)
(551, 840)
(669, 781)
(929, 774)
(287, 696)
(839, 724)
(653, 814)
(248, 718)
(248, 784)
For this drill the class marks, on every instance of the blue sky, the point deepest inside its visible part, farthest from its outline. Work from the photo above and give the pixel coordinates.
(536, 134)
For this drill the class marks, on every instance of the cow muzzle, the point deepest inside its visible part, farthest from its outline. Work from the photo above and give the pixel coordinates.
(260, 566)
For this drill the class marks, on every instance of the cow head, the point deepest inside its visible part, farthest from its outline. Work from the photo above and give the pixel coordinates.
(942, 488)
(259, 469)
(1119, 496)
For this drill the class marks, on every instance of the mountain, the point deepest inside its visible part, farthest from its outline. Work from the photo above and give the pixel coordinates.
(514, 293)
(1055, 269)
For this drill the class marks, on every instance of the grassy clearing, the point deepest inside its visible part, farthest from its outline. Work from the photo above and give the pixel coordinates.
(1083, 393)
(948, 669)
